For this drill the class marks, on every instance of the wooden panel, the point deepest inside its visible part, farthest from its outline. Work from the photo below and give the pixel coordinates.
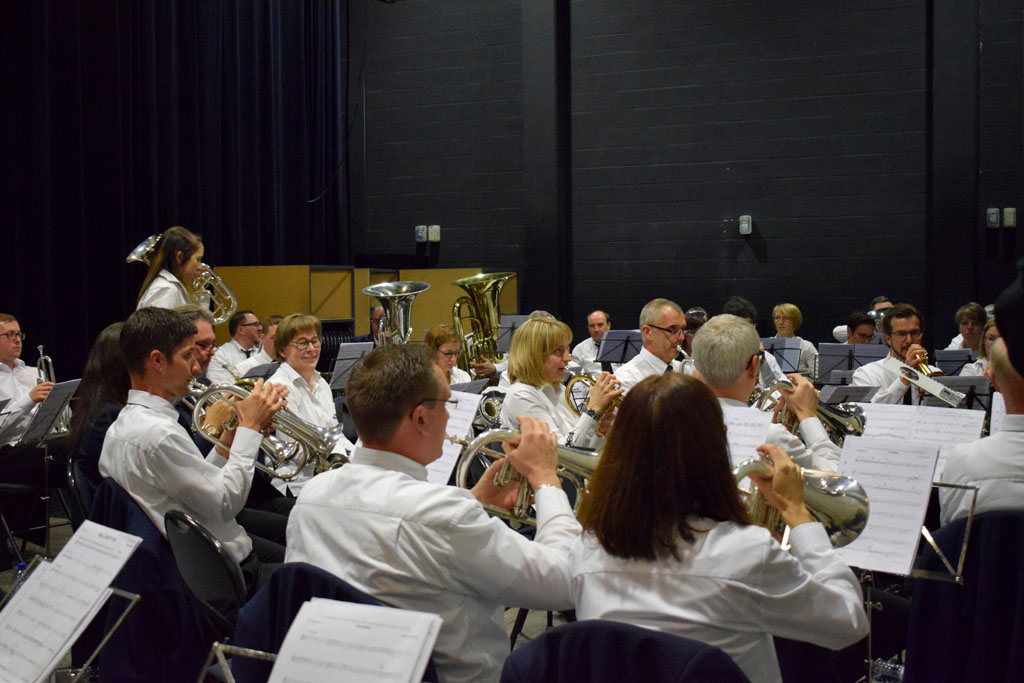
(331, 294)
(364, 278)
(266, 290)
(434, 306)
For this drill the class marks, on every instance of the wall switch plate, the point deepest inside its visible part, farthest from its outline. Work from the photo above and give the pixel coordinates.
(421, 234)
(746, 225)
(434, 233)
(992, 218)
(1010, 217)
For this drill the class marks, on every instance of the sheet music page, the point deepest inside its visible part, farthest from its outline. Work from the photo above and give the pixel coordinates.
(885, 420)
(998, 412)
(460, 424)
(897, 476)
(36, 627)
(346, 641)
(745, 430)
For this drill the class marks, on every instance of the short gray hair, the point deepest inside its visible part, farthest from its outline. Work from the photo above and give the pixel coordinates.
(194, 313)
(653, 308)
(722, 348)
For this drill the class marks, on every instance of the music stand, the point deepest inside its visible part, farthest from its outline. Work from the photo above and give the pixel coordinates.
(346, 361)
(506, 328)
(952, 361)
(786, 351)
(846, 393)
(472, 387)
(847, 357)
(264, 371)
(618, 346)
(977, 391)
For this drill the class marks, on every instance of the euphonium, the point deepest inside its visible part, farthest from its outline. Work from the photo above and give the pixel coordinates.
(396, 299)
(286, 459)
(838, 502)
(840, 421)
(483, 317)
(45, 373)
(208, 282)
(574, 464)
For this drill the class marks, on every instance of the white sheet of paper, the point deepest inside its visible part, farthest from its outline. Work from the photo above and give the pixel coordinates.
(745, 430)
(460, 424)
(346, 641)
(897, 476)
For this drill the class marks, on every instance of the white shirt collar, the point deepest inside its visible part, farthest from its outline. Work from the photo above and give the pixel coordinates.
(386, 460)
(18, 365)
(161, 405)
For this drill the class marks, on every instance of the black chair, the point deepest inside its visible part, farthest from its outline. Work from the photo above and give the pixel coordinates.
(597, 650)
(212, 577)
(82, 492)
(973, 632)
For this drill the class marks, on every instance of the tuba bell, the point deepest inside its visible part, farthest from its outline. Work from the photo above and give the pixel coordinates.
(208, 282)
(482, 315)
(396, 299)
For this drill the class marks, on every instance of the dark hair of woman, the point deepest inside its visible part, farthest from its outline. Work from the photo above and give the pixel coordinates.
(666, 459)
(173, 241)
(105, 380)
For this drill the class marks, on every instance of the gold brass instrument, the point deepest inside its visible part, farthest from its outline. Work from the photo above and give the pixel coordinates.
(927, 371)
(483, 317)
(840, 421)
(574, 464)
(45, 373)
(578, 402)
(838, 502)
(207, 283)
(396, 299)
(286, 458)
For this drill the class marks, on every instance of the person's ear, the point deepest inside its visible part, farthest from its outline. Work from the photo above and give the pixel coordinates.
(419, 416)
(179, 258)
(156, 359)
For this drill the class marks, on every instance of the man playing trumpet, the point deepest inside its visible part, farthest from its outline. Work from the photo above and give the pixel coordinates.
(902, 327)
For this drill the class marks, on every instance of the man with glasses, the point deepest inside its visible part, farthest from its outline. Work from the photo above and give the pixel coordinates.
(244, 328)
(727, 355)
(902, 327)
(381, 526)
(18, 383)
(663, 325)
(268, 352)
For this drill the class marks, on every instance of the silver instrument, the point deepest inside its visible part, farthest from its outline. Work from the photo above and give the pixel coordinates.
(396, 299)
(488, 412)
(45, 373)
(208, 282)
(840, 421)
(838, 502)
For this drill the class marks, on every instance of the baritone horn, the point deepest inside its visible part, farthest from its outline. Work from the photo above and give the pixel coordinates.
(396, 299)
(207, 283)
(483, 316)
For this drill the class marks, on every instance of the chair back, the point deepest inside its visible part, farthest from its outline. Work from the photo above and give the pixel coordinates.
(597, 650)
(82, 492)
(212, 577)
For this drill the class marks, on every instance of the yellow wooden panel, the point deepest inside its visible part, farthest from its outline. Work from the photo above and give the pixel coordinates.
(364, 278)
(266, 290)
(434, 306)
(331, 294)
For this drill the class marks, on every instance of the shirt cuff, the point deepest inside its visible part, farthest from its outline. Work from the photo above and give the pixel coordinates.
(550, 501)
(809, 537)
(812, 431)
(247, 442)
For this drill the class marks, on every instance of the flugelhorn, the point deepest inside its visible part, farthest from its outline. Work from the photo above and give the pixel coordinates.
(574, 464)
(483, 316)
(45, 373)
(207, 282)
(396, 299)
(838, 502)
(577, 403)
(839, 421)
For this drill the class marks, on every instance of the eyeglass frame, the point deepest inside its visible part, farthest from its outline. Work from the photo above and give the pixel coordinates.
(450, 354)
(12, 335)
(668, 330)
(304, 344)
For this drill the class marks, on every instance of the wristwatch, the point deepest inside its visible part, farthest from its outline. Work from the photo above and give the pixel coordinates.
(591, 413)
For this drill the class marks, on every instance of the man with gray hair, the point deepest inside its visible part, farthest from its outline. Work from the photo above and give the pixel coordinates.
(662, 324)
(727, 355)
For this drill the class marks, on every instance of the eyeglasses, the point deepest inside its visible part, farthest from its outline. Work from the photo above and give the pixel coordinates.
(205, 346)
(449, 403)
(670, 331)
(449, 354)
(255, 324)
(304, 344)
(903, 334)
(13, 336)
(992, 338)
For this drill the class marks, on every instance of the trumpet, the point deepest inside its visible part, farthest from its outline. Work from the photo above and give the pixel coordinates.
(838, 502)
(839, 421)
(45, 373)
(574, 464)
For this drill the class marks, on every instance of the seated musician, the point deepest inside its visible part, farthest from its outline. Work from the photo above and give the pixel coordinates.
(663, 325)
(687, 561)
(380, 525)
(970, 320)
(298, 343)
(538, 357)
(375, 315)
(152, 457)
(989, 336)
(443, 341)
(860, 329)
(743, 308)
(902, 326)
(787, 319)
(267, 353)
(585, 353)
(244, 328)
(875, 311)
(726, 355)
(995, 464)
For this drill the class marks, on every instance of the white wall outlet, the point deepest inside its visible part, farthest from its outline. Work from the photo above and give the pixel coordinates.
(434, 233)
(421, 234)
(746, 225)
(992, 218)
(1010, 217)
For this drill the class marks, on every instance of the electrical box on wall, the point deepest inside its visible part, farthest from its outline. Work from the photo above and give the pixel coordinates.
(746, 225)
(992, 218)
(1010, 217)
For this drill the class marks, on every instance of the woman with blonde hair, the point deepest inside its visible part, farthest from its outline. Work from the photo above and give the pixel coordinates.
(989, 336)
(538, 356)
(177, 263)
(787, 318)
(445, 345)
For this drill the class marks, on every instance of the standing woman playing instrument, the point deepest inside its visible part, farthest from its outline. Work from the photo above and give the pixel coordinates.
(444, 343)
(667, 543)
(178, 261)
(538, 356)
(297, 342)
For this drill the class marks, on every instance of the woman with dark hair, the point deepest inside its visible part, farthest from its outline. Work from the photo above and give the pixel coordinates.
(101, 394)
(176, 264)
(667, 543)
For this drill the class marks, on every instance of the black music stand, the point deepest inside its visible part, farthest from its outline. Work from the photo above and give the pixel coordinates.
(472, 387)
(618, 346)
(264, 371)
(846, 393)
(952, 361)
(846, 358)
(346, 361)
(506, 328)
(977, 391)
(786, 351)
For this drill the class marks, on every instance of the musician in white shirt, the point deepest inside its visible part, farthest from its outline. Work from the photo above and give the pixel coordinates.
(787, 319)
(244, 328)
(690, 563)
(267, 353)
(443, 341)
(902, 327)
(663, 325)
(988, 337)
(970, 320)
(178, 261)
(585, 352)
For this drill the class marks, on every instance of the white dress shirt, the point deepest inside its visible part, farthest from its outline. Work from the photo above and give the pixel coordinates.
(155, 460)
(227, 358)
(261, 357)
(891, 388)
(819, 453)
(808, 363)
(165, 291)
(975, 369)
(956, 342)
(380, 525)
(732, 588)
(642, 366)
(584, 353)
(995, 464)
(548, 403)
(316, 407)
(15, 383)
(459, 376)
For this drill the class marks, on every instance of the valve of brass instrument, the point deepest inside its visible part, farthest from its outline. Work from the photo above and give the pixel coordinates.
(219, 418)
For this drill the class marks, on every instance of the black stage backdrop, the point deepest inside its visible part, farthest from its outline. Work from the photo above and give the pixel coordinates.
(124, 118)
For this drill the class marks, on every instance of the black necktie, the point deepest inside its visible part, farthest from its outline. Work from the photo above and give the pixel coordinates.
(248, 352)
(668, 368)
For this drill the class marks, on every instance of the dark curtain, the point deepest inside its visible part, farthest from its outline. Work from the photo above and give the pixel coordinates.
(122, 119)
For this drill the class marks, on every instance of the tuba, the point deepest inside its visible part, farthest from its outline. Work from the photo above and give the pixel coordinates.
(838, 502)
(286, 459)
(396, 299)
(574, 464)
(483, 317)
(45, 373)
(208, 282)
(840, 421)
